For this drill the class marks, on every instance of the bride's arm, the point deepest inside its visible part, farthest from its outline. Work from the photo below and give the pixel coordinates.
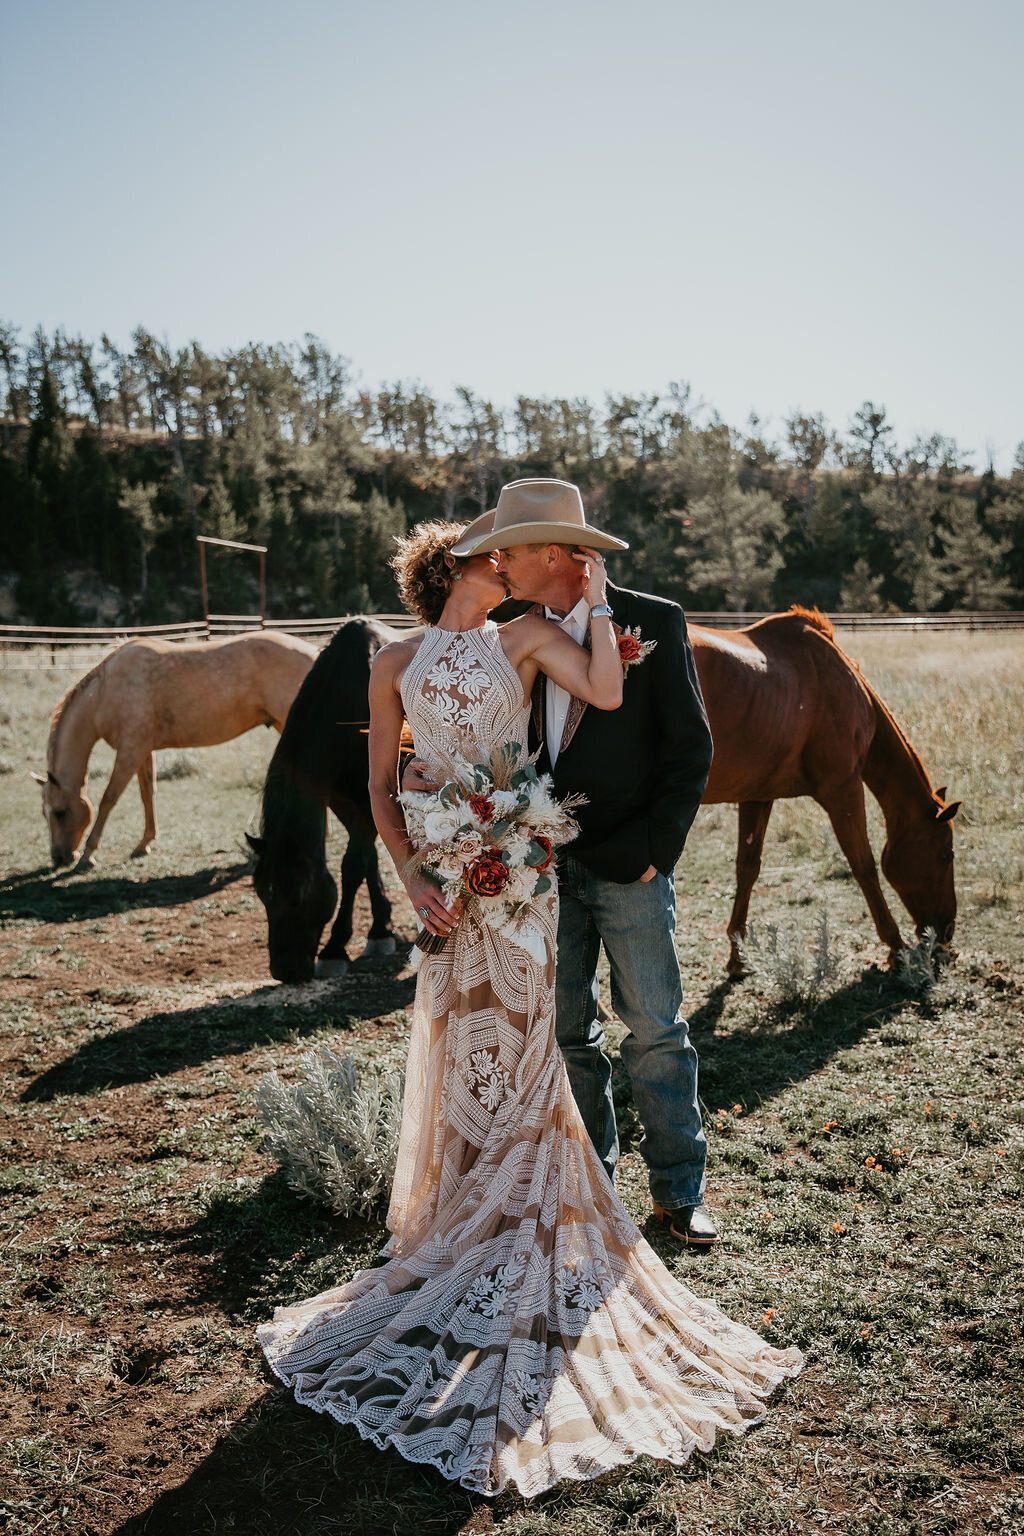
(595, 676)
(386, 718)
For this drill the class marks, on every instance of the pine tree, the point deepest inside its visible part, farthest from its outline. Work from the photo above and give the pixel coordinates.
(860, 590)
(971, 568)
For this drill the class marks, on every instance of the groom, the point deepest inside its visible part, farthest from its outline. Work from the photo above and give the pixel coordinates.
(643, 769)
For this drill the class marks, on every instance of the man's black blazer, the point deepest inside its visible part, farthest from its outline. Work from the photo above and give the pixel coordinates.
(644, 766)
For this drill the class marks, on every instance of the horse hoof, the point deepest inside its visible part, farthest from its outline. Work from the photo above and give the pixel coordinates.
(86, 862)
(377, 947)
(141, 852)
(332, 970)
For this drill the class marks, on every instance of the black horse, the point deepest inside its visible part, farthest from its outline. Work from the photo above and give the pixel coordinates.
(321, 761)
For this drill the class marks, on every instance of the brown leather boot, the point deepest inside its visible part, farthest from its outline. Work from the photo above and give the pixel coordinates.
(691, 1224)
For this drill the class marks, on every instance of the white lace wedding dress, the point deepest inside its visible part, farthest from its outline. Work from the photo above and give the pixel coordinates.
(523, 1331)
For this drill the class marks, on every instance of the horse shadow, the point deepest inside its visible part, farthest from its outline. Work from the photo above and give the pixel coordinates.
(41, 895)
(167, 1042)
(786, 1044)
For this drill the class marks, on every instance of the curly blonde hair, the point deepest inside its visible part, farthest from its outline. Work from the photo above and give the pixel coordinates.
(424, 578)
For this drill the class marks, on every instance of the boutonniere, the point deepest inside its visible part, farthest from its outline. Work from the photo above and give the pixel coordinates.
(633, 648)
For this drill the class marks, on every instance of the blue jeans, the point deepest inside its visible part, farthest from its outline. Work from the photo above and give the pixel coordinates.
(636, 923)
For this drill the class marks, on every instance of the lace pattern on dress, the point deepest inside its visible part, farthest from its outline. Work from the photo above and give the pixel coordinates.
(523, 1330)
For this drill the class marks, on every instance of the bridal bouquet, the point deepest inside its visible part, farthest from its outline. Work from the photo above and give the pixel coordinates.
(488, 835)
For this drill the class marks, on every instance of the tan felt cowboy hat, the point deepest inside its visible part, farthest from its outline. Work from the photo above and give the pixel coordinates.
(534, 512)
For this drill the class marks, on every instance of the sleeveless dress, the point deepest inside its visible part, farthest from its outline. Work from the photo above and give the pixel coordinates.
(522, 1330)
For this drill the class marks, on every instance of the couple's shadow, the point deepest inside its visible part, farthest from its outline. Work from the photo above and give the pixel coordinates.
(284, 1468)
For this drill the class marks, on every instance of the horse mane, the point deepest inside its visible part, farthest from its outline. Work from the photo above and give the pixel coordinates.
(798, 614)
(71, 697)
(886, 729)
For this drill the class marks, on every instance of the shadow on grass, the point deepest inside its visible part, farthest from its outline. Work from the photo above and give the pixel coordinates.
(282, 1470)
(753, 1062)
(166, 1042)
(61, 897)
(268, 1247)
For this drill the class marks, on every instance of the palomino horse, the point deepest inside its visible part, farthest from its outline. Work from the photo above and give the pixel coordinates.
(791, 715)
(152, 694)
(321, 760)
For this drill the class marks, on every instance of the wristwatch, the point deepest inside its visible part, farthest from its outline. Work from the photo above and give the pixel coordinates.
(601, 611)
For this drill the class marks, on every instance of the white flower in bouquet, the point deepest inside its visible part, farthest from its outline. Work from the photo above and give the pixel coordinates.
(440, 826)
(522, 883)
(504, 801)
(517, 849)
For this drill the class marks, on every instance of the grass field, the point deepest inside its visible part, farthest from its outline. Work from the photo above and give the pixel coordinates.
(866, 1160)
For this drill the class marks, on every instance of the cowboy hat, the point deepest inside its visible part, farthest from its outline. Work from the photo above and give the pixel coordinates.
(534, 512)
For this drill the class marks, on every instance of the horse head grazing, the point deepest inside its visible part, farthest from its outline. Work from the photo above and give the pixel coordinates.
(299, 896)
(917, 860)
(67, 814)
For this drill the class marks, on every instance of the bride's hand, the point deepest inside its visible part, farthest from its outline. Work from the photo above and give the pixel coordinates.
(416, 778)
(597, 575)
(436, 914)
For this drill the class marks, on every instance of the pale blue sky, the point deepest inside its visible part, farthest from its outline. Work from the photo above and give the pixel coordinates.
(792, 205)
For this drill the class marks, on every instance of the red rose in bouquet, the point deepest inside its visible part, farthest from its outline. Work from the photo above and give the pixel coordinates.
(487, 876)
(481, 807)
(630, 649)
(544, 843)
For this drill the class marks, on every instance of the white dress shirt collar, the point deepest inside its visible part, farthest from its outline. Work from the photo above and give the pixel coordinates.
(578, 617)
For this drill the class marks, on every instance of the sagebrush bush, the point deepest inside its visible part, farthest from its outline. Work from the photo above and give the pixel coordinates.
(176, 765)
(334, 1130)
(919, 965)
(787, 966)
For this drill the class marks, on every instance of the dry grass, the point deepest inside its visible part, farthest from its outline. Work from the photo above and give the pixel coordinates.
(866, 1163)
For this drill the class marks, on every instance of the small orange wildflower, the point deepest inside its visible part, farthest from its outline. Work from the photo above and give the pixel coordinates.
(737, 1109)
(974, 1124)
(865, 1333)
(869, 1162)
(837, 1226)
(896, 1152)
(1000, 1152)
(769, 1314)
(767, 1216)
(928, 1107)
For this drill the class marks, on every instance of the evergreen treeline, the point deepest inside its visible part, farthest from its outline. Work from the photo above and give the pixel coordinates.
(112, 461)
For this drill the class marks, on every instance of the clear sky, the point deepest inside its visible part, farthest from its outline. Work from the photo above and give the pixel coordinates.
(792, 205)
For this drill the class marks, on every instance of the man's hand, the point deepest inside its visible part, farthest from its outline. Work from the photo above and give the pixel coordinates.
(415, 778)
(651, 872)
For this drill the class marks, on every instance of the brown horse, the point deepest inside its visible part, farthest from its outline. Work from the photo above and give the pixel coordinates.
(791, 715)
(151, 694)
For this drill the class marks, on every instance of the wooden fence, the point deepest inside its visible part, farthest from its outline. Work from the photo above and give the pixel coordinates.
(66, 645)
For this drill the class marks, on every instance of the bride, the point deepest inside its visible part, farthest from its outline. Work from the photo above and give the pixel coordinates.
(522, 1330)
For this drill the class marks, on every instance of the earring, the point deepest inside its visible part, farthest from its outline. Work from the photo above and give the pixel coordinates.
(456, 576)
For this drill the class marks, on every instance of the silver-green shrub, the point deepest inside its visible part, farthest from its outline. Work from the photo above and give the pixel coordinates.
(919, 965)
(334, 1130)
(789, 968)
